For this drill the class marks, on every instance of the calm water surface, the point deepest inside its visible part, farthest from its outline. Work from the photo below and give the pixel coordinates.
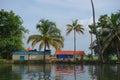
(59, 72)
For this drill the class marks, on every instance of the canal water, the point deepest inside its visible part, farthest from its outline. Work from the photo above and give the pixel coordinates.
(59, 72)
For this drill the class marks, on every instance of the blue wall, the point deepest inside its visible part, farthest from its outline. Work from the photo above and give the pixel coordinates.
(64, 56)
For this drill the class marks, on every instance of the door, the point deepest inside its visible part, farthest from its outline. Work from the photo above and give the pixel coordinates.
(22, 58)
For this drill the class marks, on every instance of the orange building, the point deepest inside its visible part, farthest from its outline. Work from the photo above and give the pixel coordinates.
(69, 54)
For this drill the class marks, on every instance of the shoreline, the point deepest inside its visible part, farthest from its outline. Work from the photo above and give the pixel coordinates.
(4, 61)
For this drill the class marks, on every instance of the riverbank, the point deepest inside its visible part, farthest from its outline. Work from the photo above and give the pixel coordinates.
(4, 61)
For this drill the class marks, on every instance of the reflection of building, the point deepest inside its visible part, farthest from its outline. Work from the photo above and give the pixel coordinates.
(30, 55)
(69, 54)
(68, 72)
(67, 69)
(32, 72)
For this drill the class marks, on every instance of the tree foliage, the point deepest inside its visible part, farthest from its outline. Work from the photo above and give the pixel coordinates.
(49, 35)
(11, 33)
(108, 31)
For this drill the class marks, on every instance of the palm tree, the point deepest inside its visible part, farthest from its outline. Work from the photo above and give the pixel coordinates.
(76, 28)
(49, 36)
(93, 11)
(113, 30)
(92, 44)
(108, 28)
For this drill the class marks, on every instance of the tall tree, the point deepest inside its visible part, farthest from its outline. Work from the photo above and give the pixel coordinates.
(112, 30)
(11, 33)
(50, 35)
(76, 28)
(91, 32)
(108, 29)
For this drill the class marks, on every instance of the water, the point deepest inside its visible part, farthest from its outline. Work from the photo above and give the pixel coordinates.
(59, 72)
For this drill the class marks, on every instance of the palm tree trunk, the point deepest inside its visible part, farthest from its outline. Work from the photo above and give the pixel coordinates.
(44, 59)
(91, 46)
(74, 45)
(117, 51)
(93, 11)
(97, 36)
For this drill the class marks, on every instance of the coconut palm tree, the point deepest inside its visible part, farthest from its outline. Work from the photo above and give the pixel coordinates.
(113, 33)
(108, 28)
(91, 32)
(92, 44)
(76, 28)
(49, 36)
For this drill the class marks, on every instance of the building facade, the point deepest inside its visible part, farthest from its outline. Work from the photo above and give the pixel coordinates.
(69, 55)
(30, 55)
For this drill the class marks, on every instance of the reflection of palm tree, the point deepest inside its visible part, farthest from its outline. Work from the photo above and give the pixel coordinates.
(118, 72)
(74, 72)
(76, 28)
(91, 71)
(50, 35)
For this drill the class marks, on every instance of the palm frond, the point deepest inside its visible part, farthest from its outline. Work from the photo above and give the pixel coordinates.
(41, 45)
(69, 29)
(32, 37)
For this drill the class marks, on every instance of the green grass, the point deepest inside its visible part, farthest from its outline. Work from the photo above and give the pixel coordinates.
(86, 58)
(113, 58)
(95, 58)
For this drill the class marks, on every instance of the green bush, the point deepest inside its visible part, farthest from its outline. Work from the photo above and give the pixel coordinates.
(114, 58)
(2, 61)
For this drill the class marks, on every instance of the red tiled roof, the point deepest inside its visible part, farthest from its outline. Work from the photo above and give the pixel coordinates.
(69, 53)
(28, 49)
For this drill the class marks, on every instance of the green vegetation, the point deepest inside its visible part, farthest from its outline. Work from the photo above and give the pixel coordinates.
(87, 58)
(107, 31)
(11, 33)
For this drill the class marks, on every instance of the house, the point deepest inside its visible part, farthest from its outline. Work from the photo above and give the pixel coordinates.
(69, 55)
(30, 55)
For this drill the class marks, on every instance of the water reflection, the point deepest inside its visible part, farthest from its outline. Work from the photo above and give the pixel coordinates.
(68, 72)
(59, 72)
(32, 72)
(107, 72)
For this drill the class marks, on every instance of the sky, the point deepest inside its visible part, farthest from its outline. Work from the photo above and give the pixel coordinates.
(62, 12)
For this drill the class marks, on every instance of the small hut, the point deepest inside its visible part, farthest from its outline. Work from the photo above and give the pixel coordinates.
(67, 55)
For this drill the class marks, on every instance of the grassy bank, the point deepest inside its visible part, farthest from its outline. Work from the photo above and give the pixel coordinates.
(86, 60)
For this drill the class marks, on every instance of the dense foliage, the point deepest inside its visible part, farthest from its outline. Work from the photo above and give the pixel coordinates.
(11, 33)
(107, 31)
